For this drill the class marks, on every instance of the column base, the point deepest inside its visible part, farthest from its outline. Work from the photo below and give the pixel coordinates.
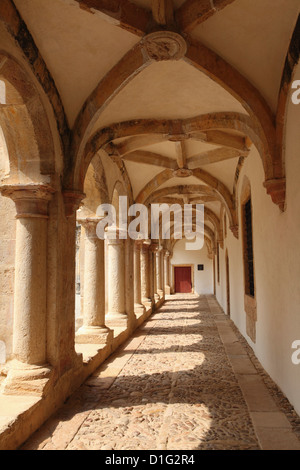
(167, 290)
(161, 294)
(114, 319)
(139, 309)
(26, 379)
(147, 302)
(93, 335)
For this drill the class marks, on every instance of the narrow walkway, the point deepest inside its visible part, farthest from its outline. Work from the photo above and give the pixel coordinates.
(183, 382)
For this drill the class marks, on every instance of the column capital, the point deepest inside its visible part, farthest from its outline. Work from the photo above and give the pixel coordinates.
(154, 247)
(115, 235)
(138, 244)
(90, 225)
(276, 188)
(235, 231)
(72, 200)
(145, 246)
(31, 199)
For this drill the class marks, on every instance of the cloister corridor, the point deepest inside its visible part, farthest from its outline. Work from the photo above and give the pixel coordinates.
(185, 380)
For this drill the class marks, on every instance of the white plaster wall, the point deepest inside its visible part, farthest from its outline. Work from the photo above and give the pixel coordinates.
(203, 279)
(277, 267)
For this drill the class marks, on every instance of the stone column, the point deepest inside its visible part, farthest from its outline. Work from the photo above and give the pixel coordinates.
(129, 282)
(145, 275)
(159, 274)
(116, 316)
(139, 308)
(93, 330)
(155, 269)
(152, 275)
(167, 272)
(162, 265)
(30, 288)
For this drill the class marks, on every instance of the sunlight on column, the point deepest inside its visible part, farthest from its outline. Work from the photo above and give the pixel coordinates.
(2, 353)
(2, 92)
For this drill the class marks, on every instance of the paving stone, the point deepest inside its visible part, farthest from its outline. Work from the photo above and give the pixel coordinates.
(270, 419)
(183, 382)
(242, 365)
(278, 439)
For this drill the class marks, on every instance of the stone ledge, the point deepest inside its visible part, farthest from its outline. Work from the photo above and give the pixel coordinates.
(16, 427)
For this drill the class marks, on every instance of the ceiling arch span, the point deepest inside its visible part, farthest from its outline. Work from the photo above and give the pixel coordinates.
(119, 76)
(238, 86)
(158, 198)
(25, 124)
(21, 36)
(202, 175)
(138, 131)
(210, 216)
(182, 189)
(208, 233)
(277, 187)
(209, 245)
(192, 12)
(204, 60)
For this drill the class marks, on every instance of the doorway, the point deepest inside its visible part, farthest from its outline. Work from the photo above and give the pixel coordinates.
(183, 279)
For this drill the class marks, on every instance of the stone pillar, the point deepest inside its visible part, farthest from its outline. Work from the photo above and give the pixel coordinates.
(116, 316)
(162, 264)
(30, 288)
(139, 308)
(155, 269)
(152, 275)
(159, 274)
(129, 282)
(93, 330)
(167, 272)
(145, 275)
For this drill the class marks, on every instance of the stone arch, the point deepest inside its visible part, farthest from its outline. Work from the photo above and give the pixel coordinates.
(24, 41)
(25, 125)
(96, 193)
(202, 175)
(4, 156)
(245, 191)
(208, 241)
(161, 129)
(95, 186)
(277, 187)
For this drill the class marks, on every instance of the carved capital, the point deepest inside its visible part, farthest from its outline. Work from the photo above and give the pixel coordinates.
(138, 244)
(165, 45)
(31, 199)
(72, 200)
(277, 190)
(235, 230)
(115, 235)
(90, 226)
(154, 247)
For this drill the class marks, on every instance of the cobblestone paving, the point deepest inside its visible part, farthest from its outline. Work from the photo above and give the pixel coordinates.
(177, 391)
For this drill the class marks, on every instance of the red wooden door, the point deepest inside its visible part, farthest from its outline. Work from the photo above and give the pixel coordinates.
(183, 280)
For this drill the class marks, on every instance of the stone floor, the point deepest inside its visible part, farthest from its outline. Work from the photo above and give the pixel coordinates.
(183, 382)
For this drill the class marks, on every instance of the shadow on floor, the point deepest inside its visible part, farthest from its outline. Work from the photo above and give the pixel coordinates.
(176, 391)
